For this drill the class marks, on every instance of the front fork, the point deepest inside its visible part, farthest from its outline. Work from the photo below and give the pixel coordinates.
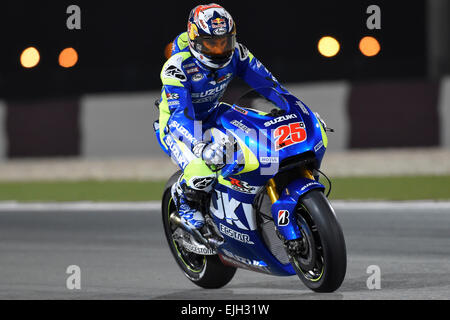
(272, 191)
(284, 206)
(272, 187)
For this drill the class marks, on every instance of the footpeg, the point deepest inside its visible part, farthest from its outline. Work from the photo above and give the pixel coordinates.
(215, 242)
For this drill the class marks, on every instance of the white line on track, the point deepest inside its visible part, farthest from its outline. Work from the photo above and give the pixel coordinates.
(156, 205)
(391, 205)
(80, 206)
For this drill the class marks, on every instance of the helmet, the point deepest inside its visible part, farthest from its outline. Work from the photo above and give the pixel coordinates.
(212, 35)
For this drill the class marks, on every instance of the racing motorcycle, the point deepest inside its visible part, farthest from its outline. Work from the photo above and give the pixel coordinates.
(267, 211)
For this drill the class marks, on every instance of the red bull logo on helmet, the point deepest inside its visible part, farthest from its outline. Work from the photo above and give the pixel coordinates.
(218, 23)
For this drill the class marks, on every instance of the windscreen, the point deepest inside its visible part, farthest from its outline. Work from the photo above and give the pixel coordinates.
(263, 100)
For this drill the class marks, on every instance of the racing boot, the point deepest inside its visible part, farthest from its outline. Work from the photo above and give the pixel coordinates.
(189, 201)
(189, 214)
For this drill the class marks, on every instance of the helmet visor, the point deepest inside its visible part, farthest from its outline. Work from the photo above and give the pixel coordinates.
(217, 46)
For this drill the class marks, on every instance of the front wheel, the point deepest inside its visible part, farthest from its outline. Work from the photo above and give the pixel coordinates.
(320, 257)
(206, 271)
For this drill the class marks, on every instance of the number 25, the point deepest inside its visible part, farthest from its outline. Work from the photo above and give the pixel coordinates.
(289, 134)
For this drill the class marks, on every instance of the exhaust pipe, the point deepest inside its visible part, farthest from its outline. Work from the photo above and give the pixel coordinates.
(197, 235)
(175, 220)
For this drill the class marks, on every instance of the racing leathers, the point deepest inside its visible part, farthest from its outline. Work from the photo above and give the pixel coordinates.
(189, 106)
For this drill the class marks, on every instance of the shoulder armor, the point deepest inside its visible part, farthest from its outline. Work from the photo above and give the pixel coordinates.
(243, 51)
(172, 72)
(182, 41)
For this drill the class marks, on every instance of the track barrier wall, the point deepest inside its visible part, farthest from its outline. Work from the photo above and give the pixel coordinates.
(390, 114)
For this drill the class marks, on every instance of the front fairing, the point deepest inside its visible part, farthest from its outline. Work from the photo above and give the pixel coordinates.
(257, 134)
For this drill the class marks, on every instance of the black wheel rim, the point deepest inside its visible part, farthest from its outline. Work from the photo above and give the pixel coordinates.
(310, 261)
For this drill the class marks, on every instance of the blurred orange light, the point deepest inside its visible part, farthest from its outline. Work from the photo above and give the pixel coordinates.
(68, 57)
(328, 46)
(168, 50)
(369, 46)
(30, 57)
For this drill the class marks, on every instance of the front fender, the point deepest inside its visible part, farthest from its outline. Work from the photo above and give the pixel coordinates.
(283, 210)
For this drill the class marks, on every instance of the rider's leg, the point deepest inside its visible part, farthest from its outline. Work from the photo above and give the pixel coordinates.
(190, 200)
(192, 186)
(197, 178)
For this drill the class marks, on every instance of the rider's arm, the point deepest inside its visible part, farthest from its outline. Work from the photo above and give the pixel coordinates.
(252, 71)
(178, 112)
(181, 121)
(183, 127)
(176, 102)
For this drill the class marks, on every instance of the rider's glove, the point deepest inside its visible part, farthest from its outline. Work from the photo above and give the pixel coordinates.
(212, 153)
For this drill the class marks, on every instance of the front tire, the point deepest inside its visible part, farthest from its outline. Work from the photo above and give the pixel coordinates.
(322, 262)
(206, 271)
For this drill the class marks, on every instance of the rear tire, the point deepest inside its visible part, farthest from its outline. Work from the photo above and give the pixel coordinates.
(323, 265)
(206, 271)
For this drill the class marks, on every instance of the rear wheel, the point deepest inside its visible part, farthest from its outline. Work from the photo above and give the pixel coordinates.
(206, 271)
(319, 258)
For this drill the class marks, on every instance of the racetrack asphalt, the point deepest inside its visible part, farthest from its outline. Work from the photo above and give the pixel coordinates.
(122, 254)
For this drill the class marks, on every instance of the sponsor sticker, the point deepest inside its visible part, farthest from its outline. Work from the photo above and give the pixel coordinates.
(191, 70)
(197, 77)
(239, 109)
(239, 236)
(302, 107)
(196, 249)
(269, 159)
(243, 52)
(255, 263)
(172, 96)
(183, 132)
(174, 72)
(283, 218)
(224, 77)
(209, 92)
(173, 103)
(175, 151)
(202, 182)
(228, 210)
(218, 23)
(219, 31)
(288, 135)
(240, 262)
(280, 119)
(240, 125)
(309, 185)
(241, 186)
(318, 146)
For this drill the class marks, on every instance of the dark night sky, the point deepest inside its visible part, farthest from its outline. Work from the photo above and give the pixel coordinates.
(121, 44)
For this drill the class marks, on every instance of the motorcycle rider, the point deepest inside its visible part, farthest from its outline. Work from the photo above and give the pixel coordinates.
(203, 62)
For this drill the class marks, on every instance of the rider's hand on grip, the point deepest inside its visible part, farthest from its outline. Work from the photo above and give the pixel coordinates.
(212, 153)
